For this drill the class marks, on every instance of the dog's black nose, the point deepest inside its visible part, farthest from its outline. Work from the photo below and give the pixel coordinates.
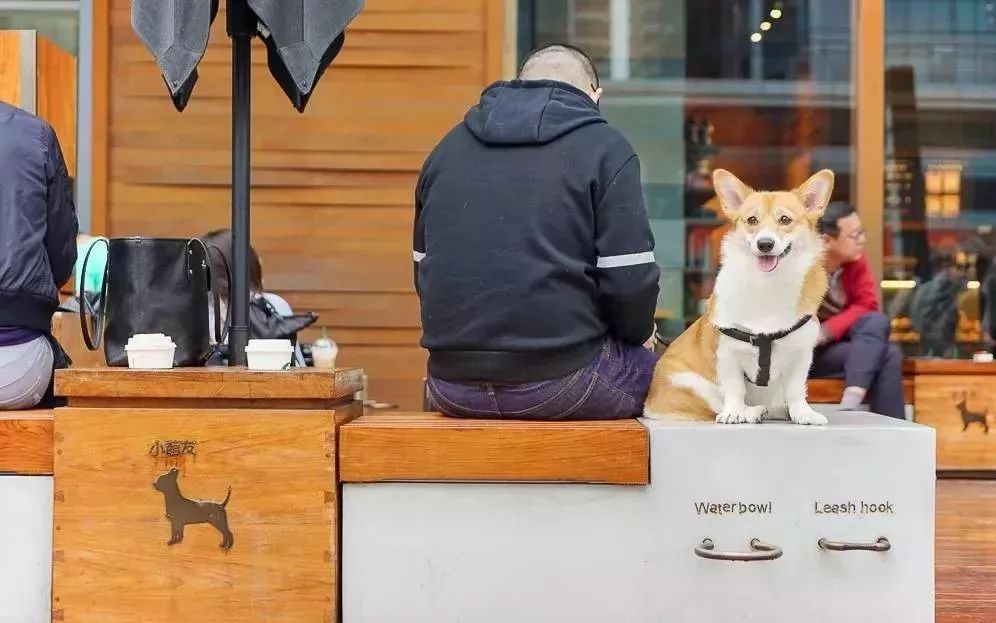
(765, 245)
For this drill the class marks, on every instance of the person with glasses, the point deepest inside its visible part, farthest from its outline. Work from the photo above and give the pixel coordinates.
(854, 333)
(533, 254)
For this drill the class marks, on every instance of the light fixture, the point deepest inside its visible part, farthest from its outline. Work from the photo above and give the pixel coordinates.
(756, 37)
(765, 26)
(776, 13)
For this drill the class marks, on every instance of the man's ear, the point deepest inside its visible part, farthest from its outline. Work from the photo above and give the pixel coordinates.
(731, 192)
(814, 194)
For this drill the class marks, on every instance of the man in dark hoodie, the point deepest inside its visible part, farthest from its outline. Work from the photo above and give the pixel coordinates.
(38, 229)
(534, 259)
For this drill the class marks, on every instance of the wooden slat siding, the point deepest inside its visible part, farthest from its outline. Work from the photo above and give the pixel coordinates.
(332, 188)
(215, 382)
(26, 442)
(966, 551)
(10, 67)
(428, 446)
(56, 95)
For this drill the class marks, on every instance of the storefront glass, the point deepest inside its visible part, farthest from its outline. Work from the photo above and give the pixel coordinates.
(759, 87)
(940, 187)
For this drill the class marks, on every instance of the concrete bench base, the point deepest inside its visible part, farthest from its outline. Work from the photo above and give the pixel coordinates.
(26, 549)
(440, 552)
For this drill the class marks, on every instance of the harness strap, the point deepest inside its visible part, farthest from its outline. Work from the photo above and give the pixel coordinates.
(764, 343)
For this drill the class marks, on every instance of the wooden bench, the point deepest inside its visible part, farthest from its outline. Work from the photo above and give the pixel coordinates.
(26, 439)
(830, 391)
(420, 446)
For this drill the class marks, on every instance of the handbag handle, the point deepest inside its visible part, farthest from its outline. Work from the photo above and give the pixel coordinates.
(99, 315)
(222, 336)
(212, 284)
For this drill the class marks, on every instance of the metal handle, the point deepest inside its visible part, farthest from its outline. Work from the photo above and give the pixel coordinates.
(881, 545)
(760, 551)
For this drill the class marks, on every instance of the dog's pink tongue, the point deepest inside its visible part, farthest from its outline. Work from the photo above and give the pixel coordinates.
(767, 263)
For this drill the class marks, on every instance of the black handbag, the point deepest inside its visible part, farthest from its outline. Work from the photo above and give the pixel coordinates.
(152, 285)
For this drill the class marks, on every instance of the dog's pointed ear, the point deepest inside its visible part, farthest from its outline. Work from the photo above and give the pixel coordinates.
(731, 192)
(814, 194)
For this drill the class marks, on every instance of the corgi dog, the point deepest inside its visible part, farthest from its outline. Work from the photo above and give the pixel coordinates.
(748, 357)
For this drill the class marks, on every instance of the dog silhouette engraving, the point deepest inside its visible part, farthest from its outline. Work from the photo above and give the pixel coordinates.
(970, 417)
(182, 511)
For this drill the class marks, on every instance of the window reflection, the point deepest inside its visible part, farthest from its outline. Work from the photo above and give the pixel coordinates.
(760, 87)
(940, 197)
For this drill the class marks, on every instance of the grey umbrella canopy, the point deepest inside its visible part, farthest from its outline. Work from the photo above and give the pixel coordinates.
(302, 38)
(176, 32)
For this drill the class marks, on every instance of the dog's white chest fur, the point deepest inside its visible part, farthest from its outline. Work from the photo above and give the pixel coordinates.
(764, 303)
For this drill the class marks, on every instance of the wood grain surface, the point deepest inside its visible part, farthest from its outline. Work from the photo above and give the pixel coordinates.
(10, 67)
(949, 366)
(56, 95)
(209, 383)
(112, 563)
(428, 446)
(66, 329)
(830, 391)
(963, 442)
(333, 188)
(26, 442)
(966, 551)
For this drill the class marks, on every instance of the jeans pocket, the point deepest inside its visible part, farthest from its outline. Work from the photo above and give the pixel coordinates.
(576, 404)
(529, 400)
(608, 402)
(465, 401)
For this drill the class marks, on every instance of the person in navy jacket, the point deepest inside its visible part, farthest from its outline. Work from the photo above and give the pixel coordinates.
(38, 229)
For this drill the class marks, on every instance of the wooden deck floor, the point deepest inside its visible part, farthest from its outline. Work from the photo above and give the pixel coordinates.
(966, 551)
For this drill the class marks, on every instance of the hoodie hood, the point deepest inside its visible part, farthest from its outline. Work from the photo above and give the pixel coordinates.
(530, 112)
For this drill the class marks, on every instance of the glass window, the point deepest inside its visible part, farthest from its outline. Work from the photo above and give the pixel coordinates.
(940, 201)
(62, 27)
(759, 87)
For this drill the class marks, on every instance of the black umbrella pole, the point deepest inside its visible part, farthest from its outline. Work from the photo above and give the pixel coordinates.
(241, 109)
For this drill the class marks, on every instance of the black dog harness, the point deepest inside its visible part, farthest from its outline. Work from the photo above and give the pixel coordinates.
(764, 342)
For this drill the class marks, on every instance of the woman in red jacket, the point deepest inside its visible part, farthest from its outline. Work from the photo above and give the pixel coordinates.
(854, 336)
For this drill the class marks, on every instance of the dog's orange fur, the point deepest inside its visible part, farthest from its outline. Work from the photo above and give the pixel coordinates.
(695, 349)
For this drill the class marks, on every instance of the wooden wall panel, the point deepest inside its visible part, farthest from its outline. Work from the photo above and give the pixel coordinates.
(56, 95)
(40, 77)
(10, 67)
(332, 188)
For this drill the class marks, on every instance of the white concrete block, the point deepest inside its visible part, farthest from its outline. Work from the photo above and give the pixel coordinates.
(483, 553)
(26, 549)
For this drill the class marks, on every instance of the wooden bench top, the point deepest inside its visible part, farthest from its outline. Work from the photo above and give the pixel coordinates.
(830, 391)
(949, 366)
(419, 446)
(212, 382)
(26, 442)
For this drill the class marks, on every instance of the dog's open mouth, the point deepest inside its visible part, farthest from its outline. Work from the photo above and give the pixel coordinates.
(768, 263)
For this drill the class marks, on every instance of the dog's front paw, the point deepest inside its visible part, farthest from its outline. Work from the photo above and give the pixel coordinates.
(804, 414)
(753, 415)
(740, 415)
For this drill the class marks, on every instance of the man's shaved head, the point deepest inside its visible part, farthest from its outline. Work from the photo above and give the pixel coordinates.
(562, 63)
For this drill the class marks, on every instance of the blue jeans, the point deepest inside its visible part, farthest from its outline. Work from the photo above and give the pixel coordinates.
(865, 358)
(612, 386)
